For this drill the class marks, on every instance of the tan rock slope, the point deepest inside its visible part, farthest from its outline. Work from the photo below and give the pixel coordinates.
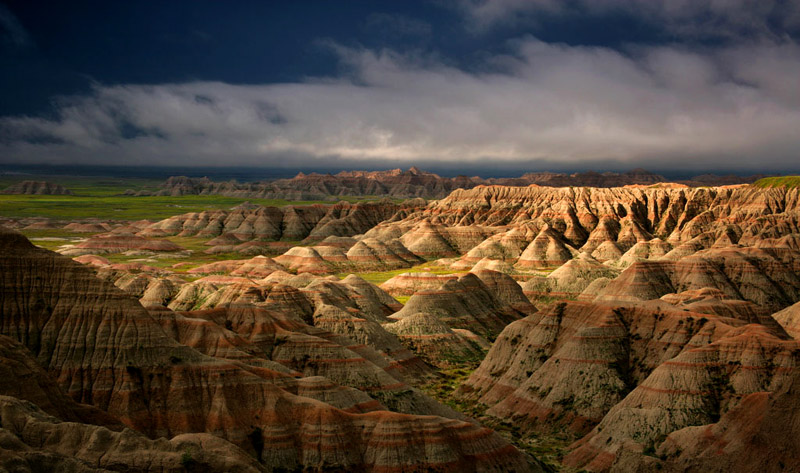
(789, 318)
(470, 303)
(695, 388)
(762, 422)
(570, 279)
(628, 374)
(312, 222)
(406, 284)
(538, 228)
(34, 441)
(440, 345)
(752, 274)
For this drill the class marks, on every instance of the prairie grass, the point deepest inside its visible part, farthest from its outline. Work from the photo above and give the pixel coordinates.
(104, 199)
(789, 182)
(120, 207)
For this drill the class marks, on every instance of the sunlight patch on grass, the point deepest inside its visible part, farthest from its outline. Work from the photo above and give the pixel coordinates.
(380, 277)
(73, 207)
(789, 182)
(167, 261)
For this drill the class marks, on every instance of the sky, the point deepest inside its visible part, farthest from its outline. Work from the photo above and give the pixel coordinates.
(693, 85)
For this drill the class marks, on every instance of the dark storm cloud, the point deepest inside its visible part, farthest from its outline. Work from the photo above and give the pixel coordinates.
(736, 20)
(734, 105)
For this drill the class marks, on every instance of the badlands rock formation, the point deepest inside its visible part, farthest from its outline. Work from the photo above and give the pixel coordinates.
(120, 243)
(395, 183)
(694, 388)
(789, 318)
(408, 284)
(37, 188)
(569, 280)
(432, 339)
(312, 222)
(762, 422)
(664, 335)
(87, 227)
(673, 329)
(752, 274)
(414, 183)
(468, 303)
(207, 380)
(538, 227)
(35, 441)
(508, 229)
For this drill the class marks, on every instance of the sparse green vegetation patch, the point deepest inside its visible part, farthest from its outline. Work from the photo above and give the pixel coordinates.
(790, 182)
(380, 277)
(52, 239)
(548, 448)
(443, 387)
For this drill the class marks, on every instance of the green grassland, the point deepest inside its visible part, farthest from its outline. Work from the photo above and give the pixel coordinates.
(104, 199)
(789, 182)
(119, 207)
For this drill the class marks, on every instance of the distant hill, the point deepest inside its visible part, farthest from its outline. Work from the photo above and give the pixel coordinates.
(412, 183)
(37, 188)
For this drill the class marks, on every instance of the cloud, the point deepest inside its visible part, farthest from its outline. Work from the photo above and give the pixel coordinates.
(731, 20)
(660, 107)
